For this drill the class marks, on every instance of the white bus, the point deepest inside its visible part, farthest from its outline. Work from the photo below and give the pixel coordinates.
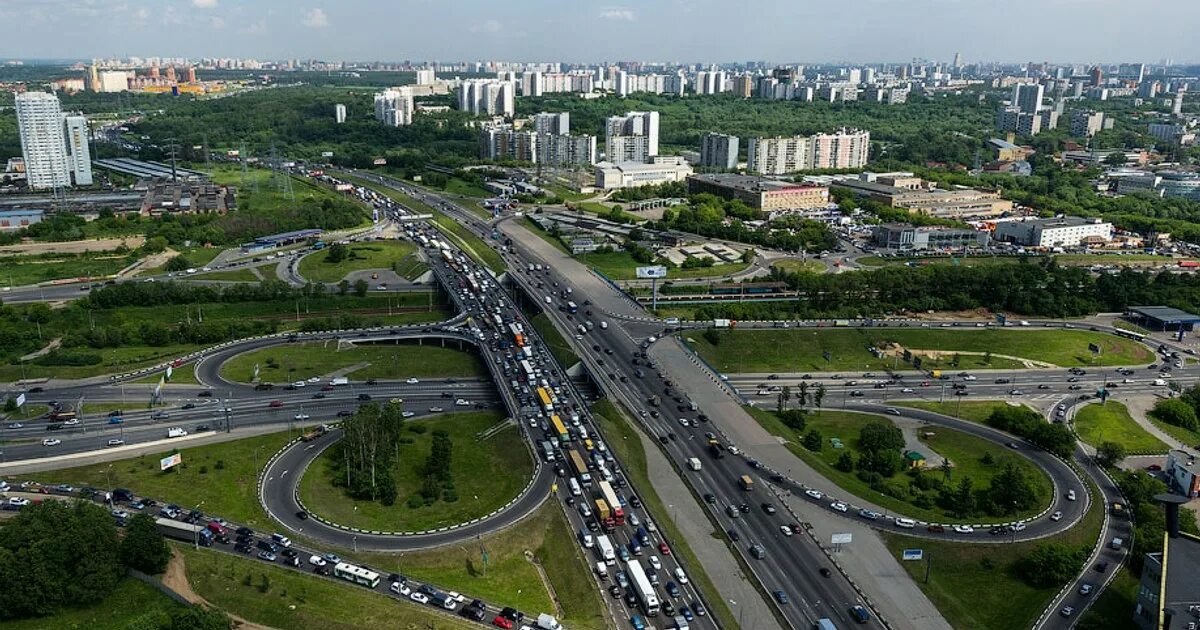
(356, 574)
(643, 589)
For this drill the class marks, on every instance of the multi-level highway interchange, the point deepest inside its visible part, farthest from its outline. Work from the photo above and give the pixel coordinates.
(630, 357)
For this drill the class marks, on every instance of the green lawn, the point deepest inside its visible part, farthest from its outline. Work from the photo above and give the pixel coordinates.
(287, 599)
(410, 267)
(456, 186)
(554, 341)
(967, 261)
(290, 362)
(182, 375)
(795, 265)
(620, 265)
(1115, 259)
(222, 476)
(245, 274)
(800, 350)
(486, 475)
(130, 600)
(196, 256)
(1111, 422)
(470, 242)
(535, 228)
(973, 410)
(115, 360)
(369, 255)
(32, 269)
(977, 586)
(511, 579)
(1189, 438)
(623, 439)
(965, 452)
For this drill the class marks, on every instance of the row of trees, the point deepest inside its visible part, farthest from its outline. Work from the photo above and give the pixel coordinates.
(706, 215)
(55, 556)
(365, 457)
(1029, 424)
(438, 483)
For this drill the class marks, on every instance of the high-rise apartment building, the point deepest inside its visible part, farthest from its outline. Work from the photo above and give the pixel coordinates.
(1027, 97)
(533, 84)
(339, 113)
(426, 77)
(1019, 122)
(552, 123)
(502, 142)
(743, 85)
(487, 96)
(632, 137)
(846, 148)
(44, 142)
(566, 150)
(718, 151)
(394, 107)
(1085, 124)
(79, 155)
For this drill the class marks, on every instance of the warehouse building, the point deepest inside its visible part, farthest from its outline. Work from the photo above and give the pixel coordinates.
(760, 193)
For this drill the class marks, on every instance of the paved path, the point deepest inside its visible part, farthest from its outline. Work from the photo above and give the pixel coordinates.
(911, 429)
(1138, 407)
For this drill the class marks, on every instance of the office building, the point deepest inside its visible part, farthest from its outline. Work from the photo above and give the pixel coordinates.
(43, 140)
(79, 155)
(1027, 97)
(394, 107)
(907, 237)
(846, 148)
(767, 195)
(661, 170)
(339, 113)
(1066, 231)
(492, 97)
(718, 151)
(1167, 589)
(426, 77)
(632, 137)
(552, 123)
(1085, 124)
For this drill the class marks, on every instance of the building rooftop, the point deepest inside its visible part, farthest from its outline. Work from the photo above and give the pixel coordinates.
(750, 183)
(1001, 143)
(20, 213)
(1165, 313)
(1181, 566)
(1063, 221)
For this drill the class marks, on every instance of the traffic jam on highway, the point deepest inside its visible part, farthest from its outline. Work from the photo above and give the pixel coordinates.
(599, 501)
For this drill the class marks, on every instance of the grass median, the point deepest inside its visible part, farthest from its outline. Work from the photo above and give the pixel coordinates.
(979, 585)
(902, 492)
(1111, 422)
(486, 473)
(620, 265)
(245, 274)
(317, 266)
(554, 340)
(802, 350)
(973, 410)
(285, 363)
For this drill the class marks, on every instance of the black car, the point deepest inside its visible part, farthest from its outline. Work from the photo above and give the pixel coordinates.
(205, 394)
(245, 531)
(364, 397)
(242, 548)
(345, 413)
(733, 535)
(302, 515)
(615, 591)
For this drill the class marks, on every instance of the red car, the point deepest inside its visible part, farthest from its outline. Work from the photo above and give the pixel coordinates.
(501, 622)
(276, 403)
(327, 388)
(664, 549)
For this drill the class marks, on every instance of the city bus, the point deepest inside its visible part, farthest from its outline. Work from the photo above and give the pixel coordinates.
(356, 574)
(560, 429)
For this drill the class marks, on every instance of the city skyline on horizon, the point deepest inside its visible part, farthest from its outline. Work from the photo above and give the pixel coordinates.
(853, 31)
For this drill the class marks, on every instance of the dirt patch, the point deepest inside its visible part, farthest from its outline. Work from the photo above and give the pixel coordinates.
(50, 347)
(978, 313)
(176, 579)
(74, 247)
(153, 262)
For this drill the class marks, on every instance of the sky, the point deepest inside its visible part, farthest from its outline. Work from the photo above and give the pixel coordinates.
(1078, 31)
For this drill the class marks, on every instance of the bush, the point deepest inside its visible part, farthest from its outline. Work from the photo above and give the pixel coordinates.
(1051, 564)
(845, 462)
(1175, 412)
(813, 441)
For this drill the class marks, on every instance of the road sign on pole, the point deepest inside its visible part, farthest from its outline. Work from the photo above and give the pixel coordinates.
(913, 554)
(655, 271)
(20, 400)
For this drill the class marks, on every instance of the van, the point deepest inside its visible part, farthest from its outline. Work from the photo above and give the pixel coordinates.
(1116, 543)
(175, 432)
(575, 489)
(281, 540)
(732, 511)
(906, 523)
(758, 551)
(602, 570)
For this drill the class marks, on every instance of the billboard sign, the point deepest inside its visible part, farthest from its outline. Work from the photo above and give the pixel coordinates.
(656, 271)
(20, 400)
(913, 554)
(170, 461)
(170, 371)
(327, 154)
(842, 539)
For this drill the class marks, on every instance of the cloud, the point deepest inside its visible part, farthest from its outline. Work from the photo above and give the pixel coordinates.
(216, 22)
(489, 26)
(204, 4)
(254, 28)
(617, 14)
(315, 18)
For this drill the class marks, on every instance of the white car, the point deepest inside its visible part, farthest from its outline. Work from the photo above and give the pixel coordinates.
(816, 494)
(462, 402)
(299, 384)
(18, 501)
(907, 390)
(116, 442)
(121, 514)
(302, 416)
(411, 381)
(1019, 526)
(317, 561)
(1070, 495)
(839, 506)
(656, 563)
(420, 598)
(435, 409)
(680, 575)
(964, 529)
(787, 531)
(72, 422)
(1057, 516)
(401, 589)
(407, 414)
(51, 442)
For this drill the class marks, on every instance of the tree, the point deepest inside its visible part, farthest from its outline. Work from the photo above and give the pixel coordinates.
(1050, 564)
(803, 398)
(336, 253)
(178, 263)
(199, 618)
(1175, 411)
(819, 395)
(845, 462)
(1109, 454)
(143, 547)
(960, 500)
(813, 441)
(361, 287)
(785, 395)
(10, 405)
(343, 287)
(1116, 158)
(880, 435)
(1010, 491)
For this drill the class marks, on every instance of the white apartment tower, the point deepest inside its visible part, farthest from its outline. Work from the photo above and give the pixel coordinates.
(846, 148)
(55, 147)
(426, 77)
(533, 84)
(394, 107)
(632, 137)
(487, 96)
(339, 113)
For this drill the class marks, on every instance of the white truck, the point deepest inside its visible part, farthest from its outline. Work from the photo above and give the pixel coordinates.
(175, 432)
(605, 550)
(339, 380)
(721, 323)
(694, 463)
(547, 622)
